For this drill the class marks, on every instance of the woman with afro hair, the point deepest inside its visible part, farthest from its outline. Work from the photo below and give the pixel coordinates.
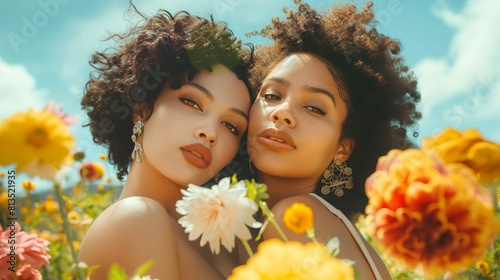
(171, 105)
(333, 96)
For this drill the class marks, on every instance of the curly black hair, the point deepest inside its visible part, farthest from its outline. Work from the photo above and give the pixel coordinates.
(379, 90)
(161, 48)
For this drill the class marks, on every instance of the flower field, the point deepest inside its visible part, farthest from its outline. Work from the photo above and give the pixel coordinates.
(433, 212)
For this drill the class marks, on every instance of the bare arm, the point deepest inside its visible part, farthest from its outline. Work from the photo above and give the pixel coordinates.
(131, 232)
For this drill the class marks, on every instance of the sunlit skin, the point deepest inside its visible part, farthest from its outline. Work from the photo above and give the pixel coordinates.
(208, 113)
(210, 110)
(299, 101)
(294, 134)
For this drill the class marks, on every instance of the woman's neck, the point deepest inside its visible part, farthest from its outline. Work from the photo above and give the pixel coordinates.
(143, 180)
(280, 188)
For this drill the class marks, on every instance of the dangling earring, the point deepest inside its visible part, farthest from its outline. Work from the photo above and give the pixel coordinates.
(336, 178)
(217, 178)
(250, 165)
(136, 132)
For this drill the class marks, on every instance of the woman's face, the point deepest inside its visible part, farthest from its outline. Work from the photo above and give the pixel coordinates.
(296, 120)
(195, 130)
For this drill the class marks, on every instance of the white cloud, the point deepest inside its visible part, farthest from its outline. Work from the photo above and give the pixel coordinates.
(18, 90)
(469, 75)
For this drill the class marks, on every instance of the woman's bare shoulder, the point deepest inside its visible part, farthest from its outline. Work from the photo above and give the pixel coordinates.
(321, 213)
(325, 222)
(130, 232)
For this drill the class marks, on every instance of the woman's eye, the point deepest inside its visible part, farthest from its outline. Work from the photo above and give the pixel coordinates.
(190, 103)
(231, 128)
(271, 95)
(315, 110)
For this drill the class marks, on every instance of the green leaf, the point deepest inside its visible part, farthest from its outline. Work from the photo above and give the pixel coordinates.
(116, 272)
(141, 270)
(333, 246)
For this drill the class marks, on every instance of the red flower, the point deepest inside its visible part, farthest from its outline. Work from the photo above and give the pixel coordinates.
(92, 171)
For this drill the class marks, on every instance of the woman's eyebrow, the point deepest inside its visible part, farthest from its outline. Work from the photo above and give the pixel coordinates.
(239, 112)
(202, 89)
(321, 91)
(205, 91)
(307, 88)
(279, 80)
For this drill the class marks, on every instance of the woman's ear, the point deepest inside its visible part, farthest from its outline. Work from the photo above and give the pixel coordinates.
(140, 111)
(346, 145)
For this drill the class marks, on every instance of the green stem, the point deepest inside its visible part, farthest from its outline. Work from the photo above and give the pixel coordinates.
(282, 234)
(247, 247)
(67, 229)
(270, 217)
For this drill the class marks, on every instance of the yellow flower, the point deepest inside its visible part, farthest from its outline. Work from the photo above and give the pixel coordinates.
(73, 217)
(4, 198)
(76, 244)
(77, 189)
(483, 267)
(69, 204)
(24, 210)
(2, 174)
(103, 157)
(38, 142)
(276, 259)
(469, 148)
(298, 218)
(28, 185)
(100, 188)
(49, 205)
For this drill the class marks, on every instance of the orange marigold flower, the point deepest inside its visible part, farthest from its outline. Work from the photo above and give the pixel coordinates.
(427, 216)
(298, 218)
(469, 148)
(92, 171)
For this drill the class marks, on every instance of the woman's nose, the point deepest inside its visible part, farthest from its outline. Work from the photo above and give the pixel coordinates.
(283, 114)
(208, 134)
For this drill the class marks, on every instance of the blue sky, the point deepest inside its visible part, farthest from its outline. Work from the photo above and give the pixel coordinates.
(452, 46)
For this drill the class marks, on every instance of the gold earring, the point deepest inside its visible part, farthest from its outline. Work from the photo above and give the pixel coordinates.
(136, 132)
(336, 178)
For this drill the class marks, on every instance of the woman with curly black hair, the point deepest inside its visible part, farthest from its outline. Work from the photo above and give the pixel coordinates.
(171, 104)
(334, 95)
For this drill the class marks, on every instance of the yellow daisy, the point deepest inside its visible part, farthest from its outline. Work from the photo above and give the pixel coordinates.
(38, 142)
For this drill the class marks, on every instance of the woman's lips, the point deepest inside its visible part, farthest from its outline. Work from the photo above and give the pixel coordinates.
(197, 154)
(276, 139)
